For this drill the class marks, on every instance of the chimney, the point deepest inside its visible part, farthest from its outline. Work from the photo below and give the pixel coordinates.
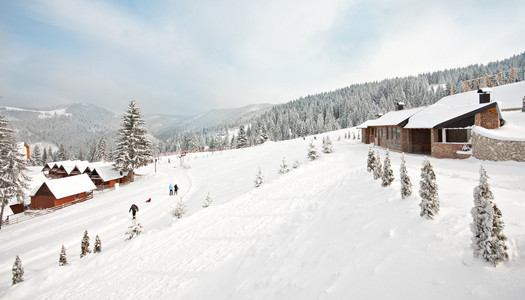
(400, 105)
(484, 95)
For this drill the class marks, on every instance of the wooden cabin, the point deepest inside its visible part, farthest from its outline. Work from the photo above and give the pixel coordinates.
(56, 192)
(107, 176)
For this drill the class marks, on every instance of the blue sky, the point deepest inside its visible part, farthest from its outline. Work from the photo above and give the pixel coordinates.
(187, 57)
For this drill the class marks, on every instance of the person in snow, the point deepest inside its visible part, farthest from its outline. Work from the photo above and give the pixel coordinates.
(171, 189)
(133, 209)
(176, 188)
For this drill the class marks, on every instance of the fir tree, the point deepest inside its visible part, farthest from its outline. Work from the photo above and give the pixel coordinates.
(97, 248)
(296, 164)
(208, 201)
(180, 209)
(44, 157)
(18, 271)
(371, 161)
(388, 173)
(428, 191)
(84, 245)
(378, 167)
(488, 240)
(93, 152)
(13, 168)
(406, 184)
(242, 141)
(313, 154)
(135, 229)
(36, 158)
(62, 155)
(327, 145)
(133, 147)
(259, 179)
(62, 260)
(284, 167)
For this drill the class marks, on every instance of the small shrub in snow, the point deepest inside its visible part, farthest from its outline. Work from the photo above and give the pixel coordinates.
(180, 209)
(259, 178)
(135, 229)
(406, 184)
(84, 245)
(388, 174)
(488, 240)
(296, 164)
(371, 161)
(284, 167)
(62, 260)
(18, 271)
(327, 145)
(378, 167)
(208, 201)
(98, 245)
(428, 191)
(313, 154)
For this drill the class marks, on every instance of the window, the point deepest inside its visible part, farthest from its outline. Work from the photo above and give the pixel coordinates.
(456, 135)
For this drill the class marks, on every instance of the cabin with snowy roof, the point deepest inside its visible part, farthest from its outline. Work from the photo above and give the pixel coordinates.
(106, 176)
(443, 128)
(56, 192)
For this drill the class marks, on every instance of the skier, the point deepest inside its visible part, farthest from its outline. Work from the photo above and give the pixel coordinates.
(176, 188)
(133, 209)
(171, 189)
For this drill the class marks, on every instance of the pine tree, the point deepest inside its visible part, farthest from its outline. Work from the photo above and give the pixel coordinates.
(36, 158)
(97, 248)
(428, 191)
(241, 138)
(371, 161)
(93, 152)
(180, 209)
(62, 260)
(327, 145)
(406, 184)
(135, 229)
(133, 147)
(259, 179)
(313, 154)
(103, 153)
(388, 173)
(284, 167)
(84, 245)
(488, 240)
(13, 168)
(208, 201)
(62, 155)
(296, 164)
(378, 167)
(18, 271)
(44, 157)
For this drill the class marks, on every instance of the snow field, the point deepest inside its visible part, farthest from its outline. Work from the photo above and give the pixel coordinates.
(325, 230)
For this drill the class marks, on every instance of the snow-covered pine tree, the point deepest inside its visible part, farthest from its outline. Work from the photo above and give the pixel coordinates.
(135, 229)
(44, 157)
(296, 164)
(378, 166)
(208, 201)
(97, 248)
(371, 161)
(406, 184)
(180, 209)
(36, 158)
(488, 241)
(18, 271)
(62, 154)
(133, 147)
(13, 165)
(327, 145)
(84, 245)
(62, 260)
(259, 179)
(102, 152)
(313, 154)
(388, 173)
(242, 140)
(284, 167)
(93, 152)
(428, 191)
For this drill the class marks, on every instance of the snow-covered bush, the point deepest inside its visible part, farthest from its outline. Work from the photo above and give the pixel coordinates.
(208, 201)
(296, 164)
(327, 145)
(406, 184)
(135, 229)
(84, 245)
(388, 173)
(313, 154)
(428, 191)
(18, 271)
(179, 210)
(259, 178)
(98, 245)
(62, 260)
(284, 167)
(378, 167)
(488, 240)
(371, 161)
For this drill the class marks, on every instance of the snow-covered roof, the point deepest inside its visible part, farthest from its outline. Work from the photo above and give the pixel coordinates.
(436, 114)
(513, 130)
(108, 173)
(393, 118)
(67, 186)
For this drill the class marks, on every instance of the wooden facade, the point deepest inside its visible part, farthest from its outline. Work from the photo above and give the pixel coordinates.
(60, 191)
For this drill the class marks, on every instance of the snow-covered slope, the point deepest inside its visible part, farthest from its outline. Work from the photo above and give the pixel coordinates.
(325, 230)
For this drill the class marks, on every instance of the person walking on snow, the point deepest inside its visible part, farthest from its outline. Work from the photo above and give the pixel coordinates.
(171, 189)
(176, 188)
(133, 209)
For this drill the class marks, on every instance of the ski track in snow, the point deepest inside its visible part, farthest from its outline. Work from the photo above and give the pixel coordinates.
(326, 230)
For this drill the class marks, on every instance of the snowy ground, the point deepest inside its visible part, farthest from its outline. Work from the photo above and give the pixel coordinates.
(326, 230)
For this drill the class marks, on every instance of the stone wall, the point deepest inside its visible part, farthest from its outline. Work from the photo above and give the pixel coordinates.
(497, 150)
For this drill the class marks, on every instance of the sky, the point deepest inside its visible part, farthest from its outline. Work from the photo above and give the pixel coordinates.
(188, 57)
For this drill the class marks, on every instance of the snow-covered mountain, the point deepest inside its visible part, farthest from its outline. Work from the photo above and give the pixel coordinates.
(325, 230)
